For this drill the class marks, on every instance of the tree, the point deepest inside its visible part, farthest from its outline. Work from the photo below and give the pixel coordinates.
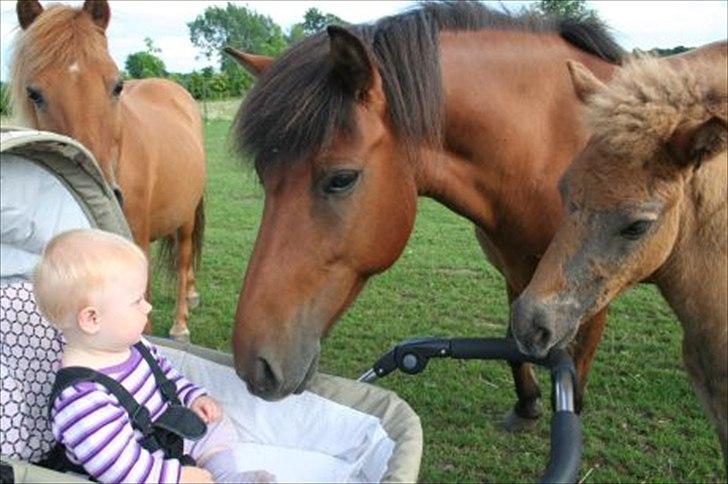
(663, 52)
(240, 27)
(575, 9)
(237, 26)
(297, 33)
(315, 21)
(141, 65)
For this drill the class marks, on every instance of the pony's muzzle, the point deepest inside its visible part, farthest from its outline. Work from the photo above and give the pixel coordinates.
(533, 327)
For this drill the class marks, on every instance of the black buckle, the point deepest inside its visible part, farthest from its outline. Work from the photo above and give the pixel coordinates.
(141, 420)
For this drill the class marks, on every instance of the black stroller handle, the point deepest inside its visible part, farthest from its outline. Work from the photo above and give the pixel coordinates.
(412, 356)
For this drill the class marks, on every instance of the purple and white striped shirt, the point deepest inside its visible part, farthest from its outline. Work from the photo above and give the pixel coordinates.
(96, 430)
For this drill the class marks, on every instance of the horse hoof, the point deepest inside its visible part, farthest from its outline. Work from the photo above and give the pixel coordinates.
(181, 336)
(514, 423)
(193, 301)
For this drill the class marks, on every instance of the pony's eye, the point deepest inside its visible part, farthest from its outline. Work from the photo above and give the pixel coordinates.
(118, 87)
(35, 96)
(635, 230)
(341, 181)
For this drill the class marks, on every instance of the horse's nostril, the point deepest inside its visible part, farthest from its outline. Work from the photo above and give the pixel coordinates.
(265, 379)
(541, 336)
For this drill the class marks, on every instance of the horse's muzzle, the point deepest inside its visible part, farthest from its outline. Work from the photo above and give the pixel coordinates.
(265, 377)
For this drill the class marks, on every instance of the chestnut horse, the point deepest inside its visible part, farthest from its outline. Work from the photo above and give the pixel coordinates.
(452, 101)
(646, 200)
(146, 135)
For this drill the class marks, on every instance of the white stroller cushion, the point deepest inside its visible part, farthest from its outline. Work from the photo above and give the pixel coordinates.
(303, 438)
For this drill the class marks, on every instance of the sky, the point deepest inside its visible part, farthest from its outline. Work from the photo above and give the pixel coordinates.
(635, 24)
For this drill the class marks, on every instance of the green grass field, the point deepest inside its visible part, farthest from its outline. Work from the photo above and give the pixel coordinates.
(641, 422)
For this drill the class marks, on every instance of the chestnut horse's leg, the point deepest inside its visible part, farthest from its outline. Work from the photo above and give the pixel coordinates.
(183, 247)
(527, 409)
(193, 297)
(706, 361)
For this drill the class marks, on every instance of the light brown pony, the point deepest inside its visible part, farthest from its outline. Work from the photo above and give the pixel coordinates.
(646, 200)
(453, 101)
(146, 135)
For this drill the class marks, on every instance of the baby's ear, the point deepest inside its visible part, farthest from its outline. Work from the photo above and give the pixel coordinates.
(88, 320)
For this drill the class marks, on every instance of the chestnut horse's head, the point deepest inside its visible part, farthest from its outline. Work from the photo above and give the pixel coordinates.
(63, 79)
(335, 158)
(653, 126)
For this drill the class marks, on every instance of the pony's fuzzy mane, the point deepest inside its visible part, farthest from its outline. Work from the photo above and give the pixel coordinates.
(296, 106)
(649, 98)
(59, 36)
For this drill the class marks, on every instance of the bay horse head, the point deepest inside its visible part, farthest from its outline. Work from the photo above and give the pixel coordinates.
(626, 193)
(337, 178)
(64, 80)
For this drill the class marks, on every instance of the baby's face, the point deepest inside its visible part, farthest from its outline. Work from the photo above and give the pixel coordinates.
(123, 308)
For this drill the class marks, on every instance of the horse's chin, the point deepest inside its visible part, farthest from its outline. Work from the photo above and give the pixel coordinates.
(308, 376)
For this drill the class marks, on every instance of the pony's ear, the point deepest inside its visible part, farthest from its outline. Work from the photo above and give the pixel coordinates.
(691, 145)
(99, 11)
(350, 60)
(28, 11)
(584, 81)
(254, 64)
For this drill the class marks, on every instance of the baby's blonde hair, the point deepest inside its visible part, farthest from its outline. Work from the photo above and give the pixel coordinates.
(76, 264)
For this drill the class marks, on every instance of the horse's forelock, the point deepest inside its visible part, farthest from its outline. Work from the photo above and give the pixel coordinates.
(647, 100)
(295, 107)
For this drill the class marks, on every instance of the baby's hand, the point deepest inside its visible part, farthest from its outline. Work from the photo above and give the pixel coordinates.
(207, 408)
(256, 477)
(193, 475)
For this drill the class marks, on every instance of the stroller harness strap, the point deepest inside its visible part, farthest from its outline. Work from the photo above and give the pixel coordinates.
(166, 433)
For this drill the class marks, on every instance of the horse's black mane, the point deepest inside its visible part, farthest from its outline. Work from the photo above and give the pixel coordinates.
(296, 106)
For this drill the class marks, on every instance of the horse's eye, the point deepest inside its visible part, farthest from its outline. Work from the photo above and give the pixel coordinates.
(35, 96)
(341, 181)
(635, 230)
(118, 87)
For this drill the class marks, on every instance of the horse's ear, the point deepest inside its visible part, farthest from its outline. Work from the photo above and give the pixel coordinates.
(351, 62)
(28, 11)
(99, 11)
(691, 145)
(254, 64)
(584, 81)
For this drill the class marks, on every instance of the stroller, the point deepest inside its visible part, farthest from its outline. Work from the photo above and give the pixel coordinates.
(51, 184)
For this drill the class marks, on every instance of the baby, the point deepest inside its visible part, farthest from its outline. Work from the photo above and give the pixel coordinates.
(91, 284)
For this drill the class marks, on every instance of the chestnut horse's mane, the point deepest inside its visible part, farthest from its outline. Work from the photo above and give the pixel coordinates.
(639, 110)
(61, 36)
(297, 105)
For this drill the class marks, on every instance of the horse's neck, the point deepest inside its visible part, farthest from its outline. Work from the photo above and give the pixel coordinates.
(512, 126)
(694, 279)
